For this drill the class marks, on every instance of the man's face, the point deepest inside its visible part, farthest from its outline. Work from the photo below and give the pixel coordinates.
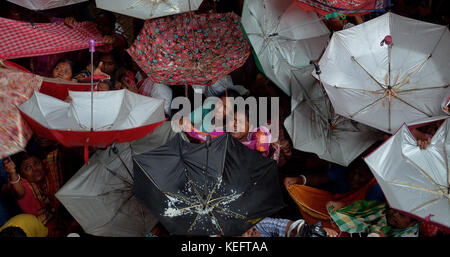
(109, 65)
(32, 169)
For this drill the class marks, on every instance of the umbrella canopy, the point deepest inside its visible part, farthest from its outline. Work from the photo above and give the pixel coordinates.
(99, 196)
(16, 87)
(414, 180)
(388, 71)
(60, 88)
(19, 39)
(190, 48)
(39, 5)
(283, 39)
(148, 9)
(314, 127)
(347, 7)
(207, 189)
(118, 115)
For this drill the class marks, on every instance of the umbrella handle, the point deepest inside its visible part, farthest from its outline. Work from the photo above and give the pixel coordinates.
(92, 50)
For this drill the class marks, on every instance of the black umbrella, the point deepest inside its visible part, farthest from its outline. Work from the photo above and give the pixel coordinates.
(230, 194)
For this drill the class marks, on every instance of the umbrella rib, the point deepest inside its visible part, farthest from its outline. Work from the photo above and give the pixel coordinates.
(197, 194)
(119, 176)
(219, 181)
(310, 102)
(418, 89)
(193, 223)
(369, 105)
(426, 203)
(148, 176)
(370, 75)
(416, 187)
(231, 212)
(363, 90)
(425, 173)
(402, 83)
(217, 223)
(403, 101)
(180, 197)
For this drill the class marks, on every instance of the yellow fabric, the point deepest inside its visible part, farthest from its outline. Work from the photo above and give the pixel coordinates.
(29, 224)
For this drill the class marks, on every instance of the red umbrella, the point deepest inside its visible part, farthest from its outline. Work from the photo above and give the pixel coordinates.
(117, 116)
(190, 48)
(347, 7)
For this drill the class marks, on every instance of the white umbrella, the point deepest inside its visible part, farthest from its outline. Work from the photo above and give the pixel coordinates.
(39, 5)
(388, 71)
(314, 127)
(99, 196)
(148, 9)
(283, 40)
(118, 115)
(414, 180)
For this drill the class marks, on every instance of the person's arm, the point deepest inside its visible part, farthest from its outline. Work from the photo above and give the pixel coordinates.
(14, 186)
(359, 20)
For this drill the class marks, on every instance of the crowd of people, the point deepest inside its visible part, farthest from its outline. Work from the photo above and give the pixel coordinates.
(29, 180)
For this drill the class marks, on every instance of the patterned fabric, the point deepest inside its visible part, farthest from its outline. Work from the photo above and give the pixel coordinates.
(19, 39)
(361, 216)
(270, 227)
(45, 192)
(347, 7)
(190, 48)
(368, 217)
(16, 87)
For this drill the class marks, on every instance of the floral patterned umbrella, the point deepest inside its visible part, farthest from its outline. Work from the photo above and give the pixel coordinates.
(190, 48)
(16, 87)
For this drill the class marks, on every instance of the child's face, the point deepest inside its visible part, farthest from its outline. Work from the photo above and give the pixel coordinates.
(63, 71)
(397, 220)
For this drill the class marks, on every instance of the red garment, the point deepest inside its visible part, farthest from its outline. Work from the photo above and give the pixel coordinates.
(19, 39)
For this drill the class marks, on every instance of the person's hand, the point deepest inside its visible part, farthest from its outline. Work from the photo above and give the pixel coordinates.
(446, 109)
(9, 166)
(108, 39)
(336, 205)
(293, 180)
(423, 143)
(68, 99)
(331, 232)
(70, 21)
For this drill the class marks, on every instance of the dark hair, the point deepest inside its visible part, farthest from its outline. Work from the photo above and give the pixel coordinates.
(63, 60)
(111, 17)
(13, 232)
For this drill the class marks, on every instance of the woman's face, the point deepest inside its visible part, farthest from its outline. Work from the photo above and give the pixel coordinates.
(63, 71)
(32, 169)
(104, 25)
